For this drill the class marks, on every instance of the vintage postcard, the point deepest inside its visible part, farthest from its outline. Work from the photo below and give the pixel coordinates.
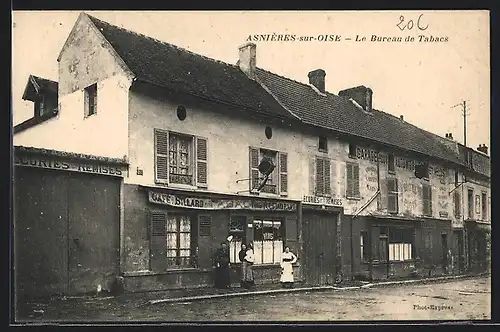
(251, 166)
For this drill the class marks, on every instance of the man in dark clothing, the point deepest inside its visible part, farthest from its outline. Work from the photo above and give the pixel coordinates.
(221, 266)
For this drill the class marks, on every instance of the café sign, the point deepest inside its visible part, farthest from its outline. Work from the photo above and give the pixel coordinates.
(219, 203)
(322, 200)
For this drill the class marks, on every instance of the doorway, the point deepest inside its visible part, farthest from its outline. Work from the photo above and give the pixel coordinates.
(444, 249)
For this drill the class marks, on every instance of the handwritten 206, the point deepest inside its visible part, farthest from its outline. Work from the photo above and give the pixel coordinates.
(409, 25)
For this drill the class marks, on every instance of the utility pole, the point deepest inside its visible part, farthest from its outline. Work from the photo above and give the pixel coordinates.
(464, 114)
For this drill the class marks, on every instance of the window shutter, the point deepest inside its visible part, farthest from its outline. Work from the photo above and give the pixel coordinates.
(456, 198)
(161, 157)
(254, 168)
(283, 160)
(349, 179)
(326, 164)
(392, 195)
(158, 260)
(312, 176)
(201, 162)
(429, 200)
(291, 233)
(355, 180)
(205, 225)
(320, 177)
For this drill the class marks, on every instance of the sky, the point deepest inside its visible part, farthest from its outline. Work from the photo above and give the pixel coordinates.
(421, 80)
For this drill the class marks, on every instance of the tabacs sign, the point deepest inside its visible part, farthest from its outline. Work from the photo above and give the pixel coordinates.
(322, 200)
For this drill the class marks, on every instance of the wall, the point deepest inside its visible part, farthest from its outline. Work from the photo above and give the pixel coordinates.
(229, 139)
(85, 60)
(478, 186)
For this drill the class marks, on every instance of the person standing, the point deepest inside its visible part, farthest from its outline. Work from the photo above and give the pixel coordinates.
(247, 259)
(221, 267)
(287, 260)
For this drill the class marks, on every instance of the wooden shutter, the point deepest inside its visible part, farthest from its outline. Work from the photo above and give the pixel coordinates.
(349, 180)
(283, 160)
(326, 172)
(312, 176)
(429, 189)
(201, 162)
(392, 195)
(456, 201)
(157, 235)
(254, 168)
(205, 225)
(355, 179)
(427, 200)
(161, 156)
(320, 177)
(291, 233)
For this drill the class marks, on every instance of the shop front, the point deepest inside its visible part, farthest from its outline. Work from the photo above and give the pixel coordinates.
(170, 236)
(479, 246)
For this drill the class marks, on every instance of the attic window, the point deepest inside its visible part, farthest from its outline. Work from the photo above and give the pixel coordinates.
(323, 144)
(91, 100)
(352, 150)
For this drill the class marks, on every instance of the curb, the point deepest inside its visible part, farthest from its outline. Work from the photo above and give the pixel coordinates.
(305, 289)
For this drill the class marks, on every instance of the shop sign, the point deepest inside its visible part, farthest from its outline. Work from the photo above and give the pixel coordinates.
(76, 166)
(218, 203)
(322, 200)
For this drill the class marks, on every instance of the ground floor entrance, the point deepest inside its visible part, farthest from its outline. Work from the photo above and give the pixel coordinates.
(66, 231)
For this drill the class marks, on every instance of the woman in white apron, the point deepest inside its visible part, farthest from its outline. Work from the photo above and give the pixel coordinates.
(287, 259)
(248, 259)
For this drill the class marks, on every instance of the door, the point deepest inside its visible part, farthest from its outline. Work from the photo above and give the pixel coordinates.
(94, 214)
(444, 249)
(459, 244)
(319, 230)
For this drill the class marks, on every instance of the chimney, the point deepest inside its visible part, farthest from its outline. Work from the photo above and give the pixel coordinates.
(317, 78)
(248, 59)
(483, 148)
(402, 118)
(361, 95)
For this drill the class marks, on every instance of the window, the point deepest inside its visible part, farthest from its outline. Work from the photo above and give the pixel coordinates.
(323, 144)
(364, 244)
(458, 207)
(422, 171)
(323, 187)
(391, 166)
(470, 201)
(352, 188)
(91, 99)
(40, 108)
(180, 159)
(277, 182)
(237, 230)
(268, 239)
(178, 240)
(401, 244)
(352, 150)
(456, 178)
(427, 200)
(392, 195)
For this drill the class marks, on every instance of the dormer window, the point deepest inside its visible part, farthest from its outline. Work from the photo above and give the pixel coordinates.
(91, 100)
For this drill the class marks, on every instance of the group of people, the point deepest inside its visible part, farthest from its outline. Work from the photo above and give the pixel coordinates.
(246, 256)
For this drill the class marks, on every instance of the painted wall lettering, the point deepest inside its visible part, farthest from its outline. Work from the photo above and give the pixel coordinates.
(370, 155)
(322, 200)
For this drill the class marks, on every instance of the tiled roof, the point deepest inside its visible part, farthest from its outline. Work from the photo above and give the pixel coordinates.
(340, 114)
(169, 66)
(36, 84)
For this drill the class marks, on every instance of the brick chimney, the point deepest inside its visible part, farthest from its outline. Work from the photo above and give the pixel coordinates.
(483, 148)
(361, 95)
(317, 78)
(248, 59)
(449, 136)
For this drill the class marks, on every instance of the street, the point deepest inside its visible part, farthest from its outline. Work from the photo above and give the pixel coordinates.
(466, 299)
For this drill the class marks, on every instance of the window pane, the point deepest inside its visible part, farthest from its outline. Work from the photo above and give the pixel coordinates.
(267, 230)
(234, 249)
(185, 224)
(171, 253)
(278, 249)
(257, 230)
(267, 252)
(391, 252)
(185, 240)
(237, 224)
(401, 252)
(277, 230)
(171, 240)
(171, 224)
(257, 248)
(185, 252)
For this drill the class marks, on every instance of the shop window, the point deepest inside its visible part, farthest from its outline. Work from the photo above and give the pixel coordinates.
(427, 200)
(364, 246)
(180, 159)
(323, 186)
(277, 182)
(401, 243)
(392, 195)
(457, 205)
(470, 201)
(178, 241)
(352, 175)
(391, 165)
(237, 230)
(90, 95)
(268, 238)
